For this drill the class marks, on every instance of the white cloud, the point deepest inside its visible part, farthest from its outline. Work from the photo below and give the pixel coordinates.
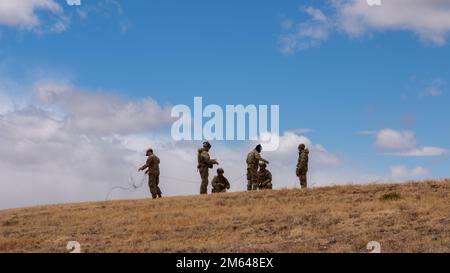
(435, 88)
(106, 9)
(429, 20)
(397, 143)
(288, 148)
(304, 35)
(392, 140)
(402, 172)
(24, 14)
(316, 14)
(5, 104)
(43, 16)
(100, 113)
(44, 163)
(421, 151)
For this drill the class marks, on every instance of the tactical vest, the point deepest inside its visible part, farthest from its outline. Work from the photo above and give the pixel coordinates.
(221, 182)
(199, 156)
(251, 159)
(200, 162)
(263, 176)
(303, 159)
(154, 166)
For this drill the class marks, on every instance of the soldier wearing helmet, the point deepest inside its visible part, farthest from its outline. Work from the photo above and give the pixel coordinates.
(220, 182)
(204, 164)
(264, 177)
(302, 165)
(152, 166)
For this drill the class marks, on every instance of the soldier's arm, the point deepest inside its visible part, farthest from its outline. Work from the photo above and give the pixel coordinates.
(214, 182)
(299, 165)
(259, 158)
(263, 160)
(227, 184)
(212, 162)
(146, 165)
(269, 177)
(207, 160)
(302, 163)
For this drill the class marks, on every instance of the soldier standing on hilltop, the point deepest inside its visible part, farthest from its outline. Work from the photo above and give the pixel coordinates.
(302, 165)
(253, 159)
(204, 164)
(220, 182)
(264, 177)
(152, 166)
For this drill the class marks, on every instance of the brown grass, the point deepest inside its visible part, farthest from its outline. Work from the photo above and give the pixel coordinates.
(413, 217)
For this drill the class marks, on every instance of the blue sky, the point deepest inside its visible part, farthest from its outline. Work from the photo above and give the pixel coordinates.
(346, 85)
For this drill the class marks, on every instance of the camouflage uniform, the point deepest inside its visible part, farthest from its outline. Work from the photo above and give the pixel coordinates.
(264, 178)
(204, 164)
(302, 166)
(220, 183)
(253, 159)
(152, 166)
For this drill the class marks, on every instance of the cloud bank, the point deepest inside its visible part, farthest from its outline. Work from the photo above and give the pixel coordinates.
(67, 144)
(403, 143)
(25, 14)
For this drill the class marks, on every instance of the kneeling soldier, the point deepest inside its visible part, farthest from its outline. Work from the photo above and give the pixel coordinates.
(220, 182)
(264, 177)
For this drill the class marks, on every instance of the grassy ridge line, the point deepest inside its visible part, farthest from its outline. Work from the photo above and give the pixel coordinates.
(411, 217)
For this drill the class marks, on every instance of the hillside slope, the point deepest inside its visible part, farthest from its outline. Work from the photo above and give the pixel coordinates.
(413, 217)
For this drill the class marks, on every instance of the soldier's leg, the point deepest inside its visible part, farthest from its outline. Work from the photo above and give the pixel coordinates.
(204, 174)
(255, 183)
(216, 191)
(158, 190)
(303, 182)
(152, 185)
(249, 179)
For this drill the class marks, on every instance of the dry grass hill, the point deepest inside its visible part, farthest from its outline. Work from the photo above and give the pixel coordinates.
(411, 217)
